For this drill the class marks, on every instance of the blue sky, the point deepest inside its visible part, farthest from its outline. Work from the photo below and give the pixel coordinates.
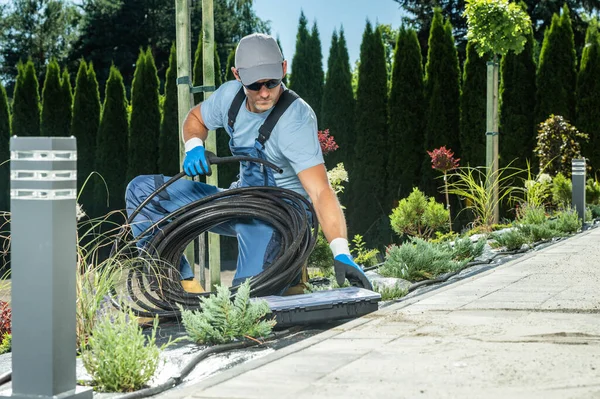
(329, 15)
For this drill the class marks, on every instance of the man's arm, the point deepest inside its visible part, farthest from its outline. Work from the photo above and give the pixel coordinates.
(329, 212)
(194, 126)
(332, 221)
(194, 134)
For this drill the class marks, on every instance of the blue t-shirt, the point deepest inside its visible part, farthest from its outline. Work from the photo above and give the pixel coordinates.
(293, 145)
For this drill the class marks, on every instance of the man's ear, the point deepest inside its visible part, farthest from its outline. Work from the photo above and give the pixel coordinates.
(284, 67)
(235, 74)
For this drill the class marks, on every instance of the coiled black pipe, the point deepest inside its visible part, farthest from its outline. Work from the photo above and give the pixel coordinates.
(156, 290)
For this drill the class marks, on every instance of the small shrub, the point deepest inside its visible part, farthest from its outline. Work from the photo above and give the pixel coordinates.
(512, 240)
(566, 221)
(465, 249)
(6, 344)
(389, 293)
(321, 256)
(119, 357)
(221, 320)
(444, 237)
(5, 319)
(419, 260)
(558, 142)
(362, 255)
(529, 214)
(595, 211)
(592, 192)
(418, 216)
(561, 191)
(539, 232)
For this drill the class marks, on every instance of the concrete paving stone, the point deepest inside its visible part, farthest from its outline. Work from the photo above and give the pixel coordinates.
(263, 388)
(522, 305)
(347, 346)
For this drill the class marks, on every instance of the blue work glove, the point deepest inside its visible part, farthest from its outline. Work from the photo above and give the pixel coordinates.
(346, 268)
(195, 162)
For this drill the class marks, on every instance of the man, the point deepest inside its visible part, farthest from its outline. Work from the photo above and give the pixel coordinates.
(243, 106)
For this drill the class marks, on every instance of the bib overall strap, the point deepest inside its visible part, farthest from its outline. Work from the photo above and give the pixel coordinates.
(286, 99)
(234, 109)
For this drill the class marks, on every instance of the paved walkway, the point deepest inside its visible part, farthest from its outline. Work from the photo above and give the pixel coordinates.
(527, 329)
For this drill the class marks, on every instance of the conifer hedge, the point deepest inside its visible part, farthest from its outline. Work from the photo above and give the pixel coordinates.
(406, 110)
(84, 126)
(367, 177)
(112, 146)
(556, 74)
(588, 95)
(442, 92)
(144, 127)
(26, 102)
(168, 158)
(517, 107)
(67, 101)
(473, 109)
(4, 150)
(52, 121)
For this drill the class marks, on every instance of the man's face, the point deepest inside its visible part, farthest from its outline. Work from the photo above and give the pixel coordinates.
(263, 99)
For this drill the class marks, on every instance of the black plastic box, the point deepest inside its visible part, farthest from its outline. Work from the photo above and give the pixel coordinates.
(322, 306)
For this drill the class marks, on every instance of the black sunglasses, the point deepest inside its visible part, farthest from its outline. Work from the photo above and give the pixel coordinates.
(270, 84)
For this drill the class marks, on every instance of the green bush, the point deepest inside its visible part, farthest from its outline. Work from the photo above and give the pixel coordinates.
(221, 320)
(562, 188)
(418, 216)
(557, 145)
(465, 249)
(362, 255)
(539, 232)
(512, 240)
(592, 192)
(389, 293)
(321, 256)
(119, 357)
(566, 221)
(595, 209)
(529, 214)
(419, 260)
(6, 344)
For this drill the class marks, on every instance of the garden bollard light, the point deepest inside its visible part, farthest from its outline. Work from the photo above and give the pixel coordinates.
(578, 182)
(43, 265)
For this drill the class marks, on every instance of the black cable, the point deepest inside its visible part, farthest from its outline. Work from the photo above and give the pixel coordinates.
(153, 284)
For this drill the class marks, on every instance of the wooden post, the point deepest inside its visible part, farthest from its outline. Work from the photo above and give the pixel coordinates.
(492, 135)
(208, 79)
(185, 101)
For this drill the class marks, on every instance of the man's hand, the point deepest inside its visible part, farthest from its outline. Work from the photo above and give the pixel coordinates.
(346, 268)
(195, 162)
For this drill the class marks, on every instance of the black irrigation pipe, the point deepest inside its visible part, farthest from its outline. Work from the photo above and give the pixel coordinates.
(178, 379)
(290, 214)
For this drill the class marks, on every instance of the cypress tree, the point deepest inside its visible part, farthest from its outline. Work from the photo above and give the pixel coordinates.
(230, 63)
(556, 74)
(84, 126)
(317, 76)
(588, 95)
(300, 76)
(367, 176)
(168, 158)
(52, 116)
(4, 150)
(406, 110)
(144, 128)
(517, 106)
(442, 92)
(67, 102)
(285, 81)
(330, 95)
(199, 67)
(26, 102)
(473, 109)
(111, 144)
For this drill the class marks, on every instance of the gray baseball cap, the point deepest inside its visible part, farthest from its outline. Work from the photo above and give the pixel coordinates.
(258, 57)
